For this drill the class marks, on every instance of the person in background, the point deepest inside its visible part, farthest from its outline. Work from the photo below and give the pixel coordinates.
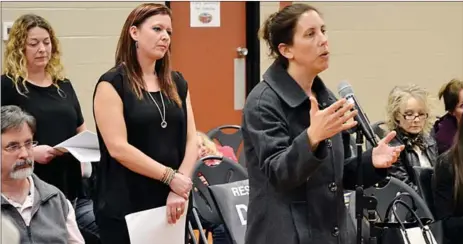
(145, 126)
(33, 79)
(292, 125)
(40, 211)
(409, 114)
(448, 189)
(445, 128)
(207, 147)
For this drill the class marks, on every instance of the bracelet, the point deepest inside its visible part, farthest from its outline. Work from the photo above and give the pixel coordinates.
(172, 175)
(168, 175)
(164, 175)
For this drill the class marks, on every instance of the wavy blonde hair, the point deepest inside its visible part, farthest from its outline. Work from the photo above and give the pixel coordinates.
(208, 144)
(15, 61)
(399, 95)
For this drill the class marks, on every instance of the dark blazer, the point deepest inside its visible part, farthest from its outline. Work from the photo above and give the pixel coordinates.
(403, 168)
(296, 195)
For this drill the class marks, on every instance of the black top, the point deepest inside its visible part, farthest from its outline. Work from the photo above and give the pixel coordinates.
(121, 191)
(296, 195)
(58, 115)
(447, 210)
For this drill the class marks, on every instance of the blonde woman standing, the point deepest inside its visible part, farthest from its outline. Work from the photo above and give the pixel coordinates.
(33, 79)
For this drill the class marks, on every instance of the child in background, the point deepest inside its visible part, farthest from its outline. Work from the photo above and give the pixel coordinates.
(206, 147)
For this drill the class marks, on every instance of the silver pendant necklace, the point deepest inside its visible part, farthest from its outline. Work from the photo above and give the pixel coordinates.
(163, 115)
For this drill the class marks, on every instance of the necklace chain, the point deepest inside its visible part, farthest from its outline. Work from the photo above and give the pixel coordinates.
(163, 114)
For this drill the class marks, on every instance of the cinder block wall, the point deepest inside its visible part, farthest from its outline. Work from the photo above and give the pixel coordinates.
(88, 32)
(376, 45)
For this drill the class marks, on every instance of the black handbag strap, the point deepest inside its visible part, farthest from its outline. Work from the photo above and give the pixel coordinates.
(398, 197)
(420, 223)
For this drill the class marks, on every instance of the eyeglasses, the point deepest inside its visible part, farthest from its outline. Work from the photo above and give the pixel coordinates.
(412, 117)
(14, 148)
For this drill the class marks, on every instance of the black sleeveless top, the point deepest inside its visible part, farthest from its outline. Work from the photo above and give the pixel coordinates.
(120, 191)
(58, 115)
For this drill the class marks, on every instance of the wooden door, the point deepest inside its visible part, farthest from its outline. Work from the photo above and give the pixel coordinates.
(206, 57)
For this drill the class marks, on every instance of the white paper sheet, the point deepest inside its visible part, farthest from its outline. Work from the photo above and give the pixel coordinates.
(150, 226)
(83, 146)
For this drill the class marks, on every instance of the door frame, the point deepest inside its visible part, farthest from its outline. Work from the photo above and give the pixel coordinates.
(252, 44)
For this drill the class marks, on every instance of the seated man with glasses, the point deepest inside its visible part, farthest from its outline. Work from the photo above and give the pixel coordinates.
(40, 212)
(408, 112)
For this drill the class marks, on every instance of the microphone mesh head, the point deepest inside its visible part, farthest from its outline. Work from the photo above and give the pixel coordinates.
(345, 89)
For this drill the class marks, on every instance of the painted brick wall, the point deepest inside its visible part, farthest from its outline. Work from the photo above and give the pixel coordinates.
(88, 32)
(376, 45)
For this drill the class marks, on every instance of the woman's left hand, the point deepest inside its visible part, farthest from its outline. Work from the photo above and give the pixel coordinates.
(383, 155)
(175, 206)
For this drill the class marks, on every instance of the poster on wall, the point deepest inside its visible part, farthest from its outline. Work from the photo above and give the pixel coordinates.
(205, 14)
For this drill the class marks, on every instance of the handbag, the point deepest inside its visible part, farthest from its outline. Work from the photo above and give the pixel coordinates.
(402, 232)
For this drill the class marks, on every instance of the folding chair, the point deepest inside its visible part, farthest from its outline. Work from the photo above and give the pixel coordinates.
(203, 204)
(387, 193)
(227, 139)
(232, 201)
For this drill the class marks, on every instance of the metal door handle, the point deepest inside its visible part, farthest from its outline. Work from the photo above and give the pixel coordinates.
(242, 52)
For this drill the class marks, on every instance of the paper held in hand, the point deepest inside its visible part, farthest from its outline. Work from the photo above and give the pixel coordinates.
(150, 226)
(83, 146)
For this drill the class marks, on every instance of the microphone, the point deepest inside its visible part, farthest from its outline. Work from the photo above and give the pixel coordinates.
(345, 91)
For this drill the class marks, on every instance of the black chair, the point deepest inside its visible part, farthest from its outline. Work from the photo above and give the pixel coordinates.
(424, 183)
(227, 139)
(203, 204)
(378, 130)
(232, 200)
(385, 194)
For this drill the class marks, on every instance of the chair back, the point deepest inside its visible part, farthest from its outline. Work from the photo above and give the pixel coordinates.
(387, 193)
(224, 172)
(232, 202)
(378, 130)
(233, 139)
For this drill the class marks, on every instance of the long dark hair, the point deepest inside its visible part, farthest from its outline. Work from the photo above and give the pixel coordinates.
(456, 154)
(126, 53)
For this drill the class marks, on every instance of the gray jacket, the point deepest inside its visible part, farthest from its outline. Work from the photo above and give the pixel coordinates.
(48, 218)
(296, 195)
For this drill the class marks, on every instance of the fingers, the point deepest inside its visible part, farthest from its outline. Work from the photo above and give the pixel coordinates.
(174, 212)
(173, 215)
(347, 126)
(179, 211)
(388, 138)
(169, 215)
(340, 112)
(336, 106)
(344, 119)
(313, 105)
(57, 152)
(400, 148)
